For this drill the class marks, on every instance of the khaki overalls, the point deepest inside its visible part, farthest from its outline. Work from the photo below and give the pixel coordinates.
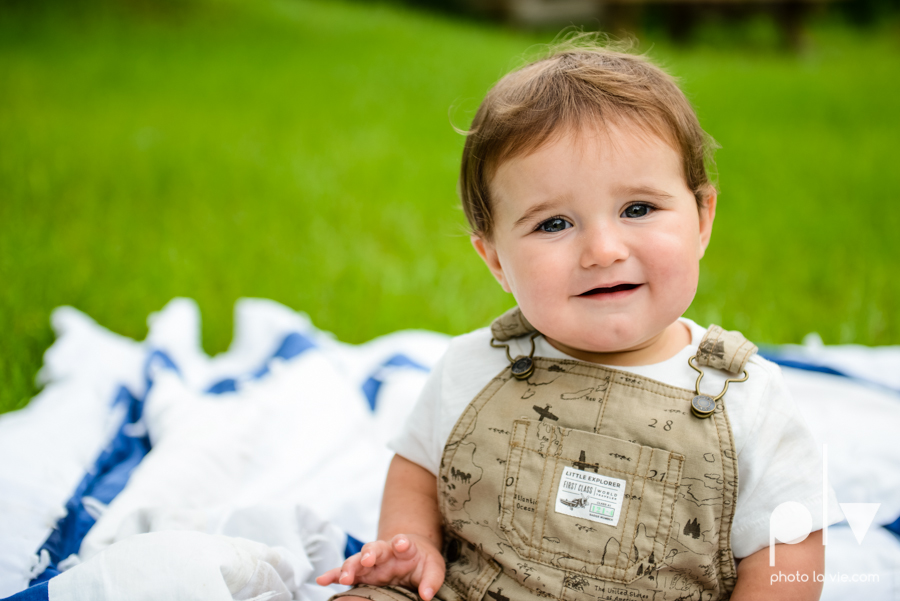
(584, 482)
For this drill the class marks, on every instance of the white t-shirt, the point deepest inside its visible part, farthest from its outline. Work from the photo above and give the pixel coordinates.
(778, 460)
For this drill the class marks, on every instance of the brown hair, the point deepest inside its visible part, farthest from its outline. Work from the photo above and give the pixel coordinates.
(580, 82)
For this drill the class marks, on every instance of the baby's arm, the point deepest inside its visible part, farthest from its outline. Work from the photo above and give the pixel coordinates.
(756, 580)
(409, 532)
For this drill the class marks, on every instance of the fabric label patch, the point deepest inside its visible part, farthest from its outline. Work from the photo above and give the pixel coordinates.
(590, 496)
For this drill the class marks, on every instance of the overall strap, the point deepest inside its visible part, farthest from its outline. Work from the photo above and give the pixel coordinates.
(511, 324)
(724, 349)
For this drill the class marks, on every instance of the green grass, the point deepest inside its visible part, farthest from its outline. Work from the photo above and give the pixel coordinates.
(303, 151)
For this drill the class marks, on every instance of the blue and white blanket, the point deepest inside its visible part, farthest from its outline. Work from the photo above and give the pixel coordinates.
(268, 460)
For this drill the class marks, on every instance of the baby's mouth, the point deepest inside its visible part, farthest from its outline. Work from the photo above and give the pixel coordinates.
(610, 290)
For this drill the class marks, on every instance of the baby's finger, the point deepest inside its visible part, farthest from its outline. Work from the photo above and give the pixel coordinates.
(403, 547)
(329, 577)
(432, 579)
(375, 552)
(349, 569)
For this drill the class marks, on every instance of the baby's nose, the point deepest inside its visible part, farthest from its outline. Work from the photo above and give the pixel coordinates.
(603, 246)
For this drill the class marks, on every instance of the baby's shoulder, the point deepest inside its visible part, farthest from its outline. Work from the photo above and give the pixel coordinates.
(763, 369)
(474, 341)
(470, 359)
(468, 364)
(764, 391)
(466, 348)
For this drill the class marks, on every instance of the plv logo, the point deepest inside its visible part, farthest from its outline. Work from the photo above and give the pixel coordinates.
(791, 522)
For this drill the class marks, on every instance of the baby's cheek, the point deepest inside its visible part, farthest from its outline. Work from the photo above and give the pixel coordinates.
(681, 289)
(676, 255)
(532, 281)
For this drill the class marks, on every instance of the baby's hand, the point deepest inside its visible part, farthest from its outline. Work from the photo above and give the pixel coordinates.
(407, 560)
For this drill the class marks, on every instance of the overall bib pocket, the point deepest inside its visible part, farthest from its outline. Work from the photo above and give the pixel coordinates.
(584, 502)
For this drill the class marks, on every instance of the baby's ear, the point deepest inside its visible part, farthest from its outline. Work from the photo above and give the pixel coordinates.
(707, 216)
(488, 253)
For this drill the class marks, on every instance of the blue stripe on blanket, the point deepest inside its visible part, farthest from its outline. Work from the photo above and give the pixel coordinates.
(223, 386)
(36, 592)
(894, 527)
(100, 486)
(772, 355)
(293, 344)
(353, 546)
(103, 482)
(372, 386)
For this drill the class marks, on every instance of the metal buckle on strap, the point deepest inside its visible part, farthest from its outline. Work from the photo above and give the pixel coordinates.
(521, 367)
(703, 405)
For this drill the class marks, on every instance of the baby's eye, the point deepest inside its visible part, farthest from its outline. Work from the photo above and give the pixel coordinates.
(553, 225)
(637, 210)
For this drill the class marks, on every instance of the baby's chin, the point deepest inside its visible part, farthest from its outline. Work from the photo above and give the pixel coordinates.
(603, 346)
(623, 347)
(607, 337)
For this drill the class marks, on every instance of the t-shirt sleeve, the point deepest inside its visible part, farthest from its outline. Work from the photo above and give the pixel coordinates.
(781, 462)
(419, 440)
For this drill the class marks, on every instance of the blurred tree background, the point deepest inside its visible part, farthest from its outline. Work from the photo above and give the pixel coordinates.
(302, 150)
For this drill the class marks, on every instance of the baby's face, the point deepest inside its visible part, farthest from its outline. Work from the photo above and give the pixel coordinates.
(599, 239)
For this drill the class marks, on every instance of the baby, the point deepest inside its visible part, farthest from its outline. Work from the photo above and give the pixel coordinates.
(571, 450)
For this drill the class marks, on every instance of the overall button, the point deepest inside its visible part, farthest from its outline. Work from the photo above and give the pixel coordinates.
(702, 406)
(522, 368)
